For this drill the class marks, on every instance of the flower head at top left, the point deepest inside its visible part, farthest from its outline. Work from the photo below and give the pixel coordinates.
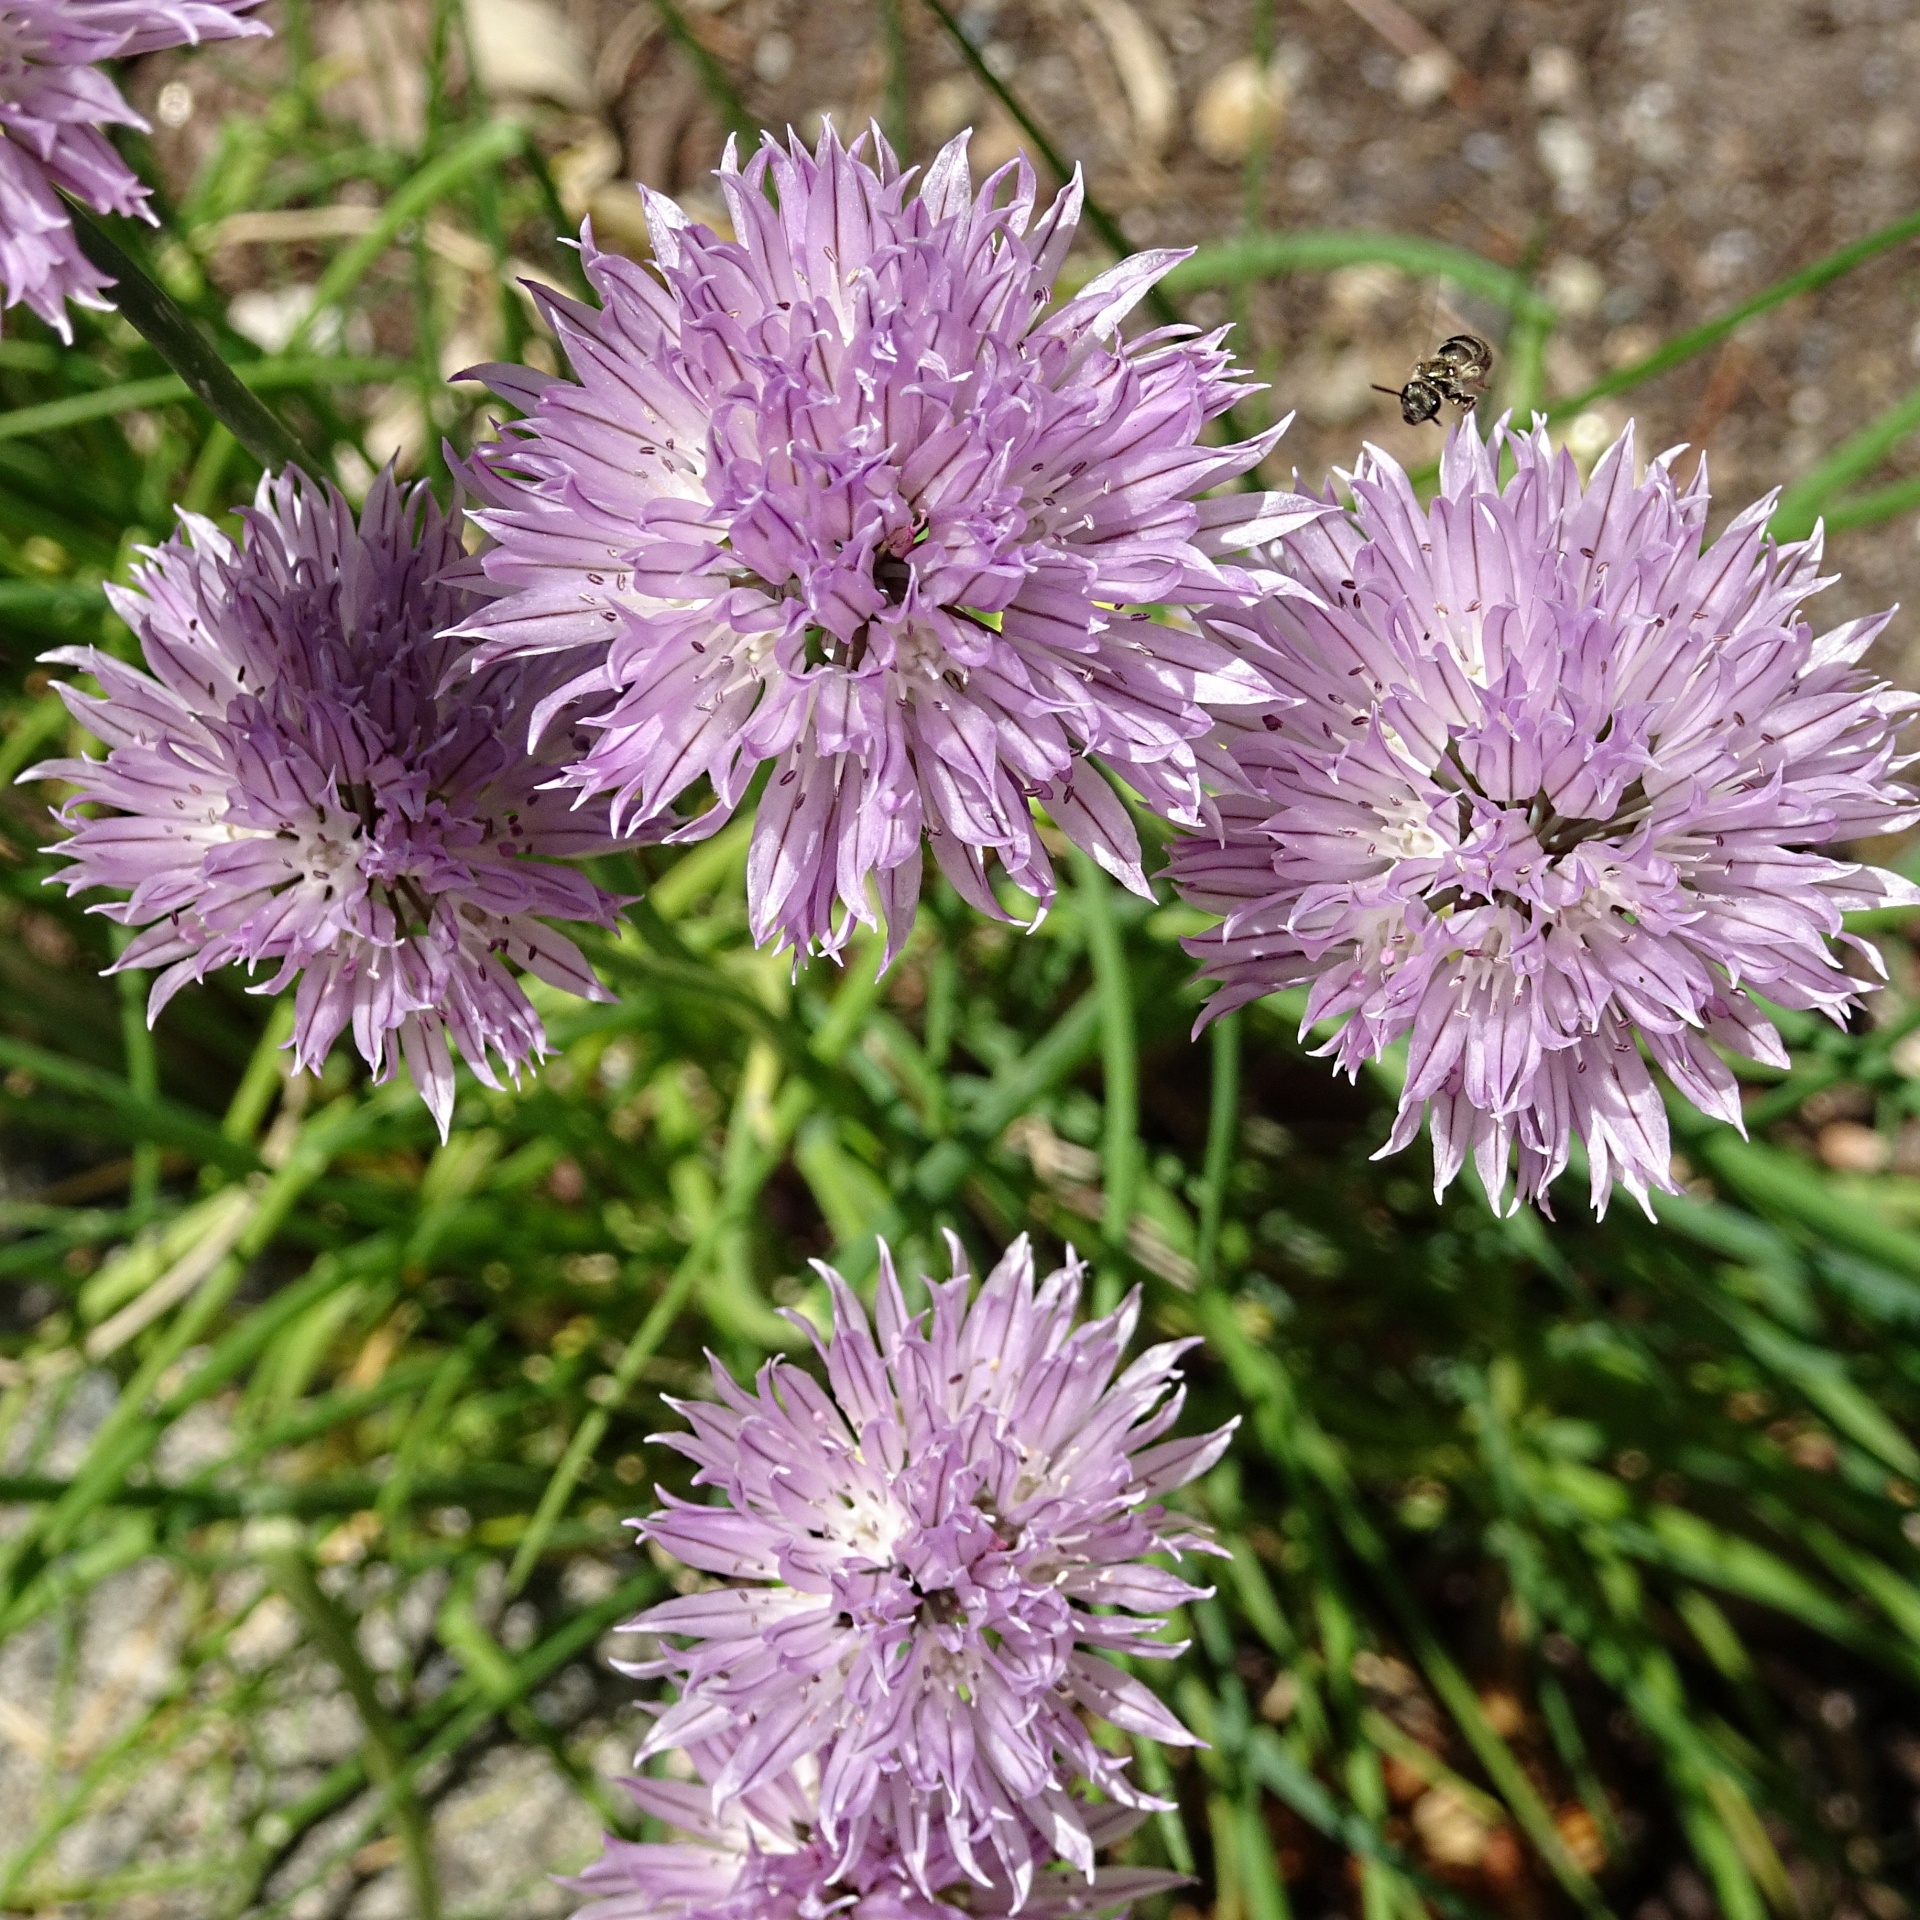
(305, 778)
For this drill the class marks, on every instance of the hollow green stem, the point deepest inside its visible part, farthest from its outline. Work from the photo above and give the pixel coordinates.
(1119, 1058)
(143, 1078)
(1223, 1126)
(384, 1749)
(893, 32)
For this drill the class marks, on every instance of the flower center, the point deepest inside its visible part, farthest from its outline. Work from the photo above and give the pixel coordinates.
(945, 1570)
(942, 1607)
(1492, 859)
(1559, 834)
(892, 575)
(1556, 833)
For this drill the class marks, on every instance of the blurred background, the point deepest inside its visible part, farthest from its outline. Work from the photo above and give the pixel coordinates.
(1576, 1567)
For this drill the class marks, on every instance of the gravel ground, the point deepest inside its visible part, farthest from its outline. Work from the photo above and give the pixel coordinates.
(190, 1765)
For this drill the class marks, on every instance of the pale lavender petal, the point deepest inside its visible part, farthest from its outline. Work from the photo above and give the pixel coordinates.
(53, 103)
(307, 779)
(834, 496)
(762, 1857)
(955, 1531)
(1557, 787)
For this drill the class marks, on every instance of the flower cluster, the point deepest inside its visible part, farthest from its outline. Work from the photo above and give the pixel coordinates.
(53, 102)
(1546, 799)
(842, 499)
(306, 776)
(932, 1557)
(845, 508)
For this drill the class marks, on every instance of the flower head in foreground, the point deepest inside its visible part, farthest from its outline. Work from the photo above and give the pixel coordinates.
(842, 499)
(290, 783)
(1551, 790)
(933, 1533)
(762, 1858)
(53, 103)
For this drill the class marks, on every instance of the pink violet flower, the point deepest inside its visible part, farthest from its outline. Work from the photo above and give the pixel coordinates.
(841, 498)
(53, 102)
(921, 1546)
(1551, 799)
(299, 780)
(764, 1859)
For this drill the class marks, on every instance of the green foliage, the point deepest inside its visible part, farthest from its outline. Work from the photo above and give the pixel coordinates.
(1561, 1555)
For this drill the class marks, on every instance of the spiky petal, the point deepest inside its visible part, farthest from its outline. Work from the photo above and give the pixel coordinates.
(1548, 803)
(290, 784)
(840, 498)
(922, 1545)
(54, 100)
(761, 1857)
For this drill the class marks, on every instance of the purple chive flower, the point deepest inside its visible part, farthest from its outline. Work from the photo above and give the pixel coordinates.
(53, 103)
(840, 498)
(291, 783)
(762, 1858)
(925, 1541)
(1547, 804)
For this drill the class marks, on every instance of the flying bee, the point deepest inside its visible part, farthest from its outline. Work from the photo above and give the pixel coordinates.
(1457, 371)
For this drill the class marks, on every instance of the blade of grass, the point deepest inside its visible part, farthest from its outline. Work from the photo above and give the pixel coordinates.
(143, 1077)
(1157, 1777)
(43, 1253)
(756, 1140)
(1072, 1037)
(265, 1076)
(443, 1727)
(717, 81)
(1698, 1550)
(167, 329)
(1524, 387)
(465, 1636)
(1119, 1057)
(491, 1492)
(1879, 504)
(893, 36)
(1299, 1440)
(566, 256)
(167, 389)
(129, 1432)
(1696, 340)
(1283, 1775)
(146, 1119)
(202, 491)
(139, 1735)
(47, 718)
(1253, 169)
(1820, 1375)
(1102, 222)
(1781, 1186)
(1261, 1885)
(483, 149)
(333, 1633)
(1223, 1127)
(534, 1666)
(1852, 460)
(1263, 256)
